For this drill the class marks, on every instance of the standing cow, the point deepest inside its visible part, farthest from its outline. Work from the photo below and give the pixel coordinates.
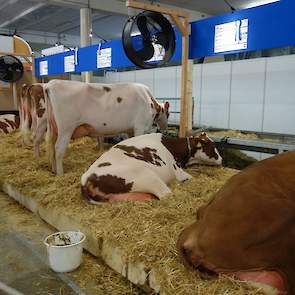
(24, 108)
(247, 230)
(9, 123)
(76, 109)
(140, 168)
(31, 107)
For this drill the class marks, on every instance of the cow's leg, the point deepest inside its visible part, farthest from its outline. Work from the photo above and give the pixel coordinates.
(180, 174)
(25, 132)
(61, 144)
(148, 182)
(40, 131)
(100, 142)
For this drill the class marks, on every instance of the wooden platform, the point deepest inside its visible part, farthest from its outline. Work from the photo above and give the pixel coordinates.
(135, 239)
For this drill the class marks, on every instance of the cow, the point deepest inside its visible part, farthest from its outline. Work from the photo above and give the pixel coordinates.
(24, 108)
(9, 123)
(247, 230)
(76, 109)
(140, 168)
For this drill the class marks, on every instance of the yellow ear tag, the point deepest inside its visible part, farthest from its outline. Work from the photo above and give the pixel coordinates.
(199, 145)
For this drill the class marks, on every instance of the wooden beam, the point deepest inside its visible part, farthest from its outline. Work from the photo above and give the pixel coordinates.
(184, 83)
(157, 8)
(15, 53)
(179, 25)
(34, 79)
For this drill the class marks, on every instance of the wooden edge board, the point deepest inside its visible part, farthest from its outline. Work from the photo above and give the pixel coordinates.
(136, 273)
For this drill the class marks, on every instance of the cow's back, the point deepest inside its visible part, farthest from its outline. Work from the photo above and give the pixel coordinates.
(146, 151)
(109, 108)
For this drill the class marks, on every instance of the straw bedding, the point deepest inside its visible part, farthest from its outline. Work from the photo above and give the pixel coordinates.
(144, 231)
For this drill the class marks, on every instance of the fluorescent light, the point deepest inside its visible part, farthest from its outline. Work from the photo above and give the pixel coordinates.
(258, 3)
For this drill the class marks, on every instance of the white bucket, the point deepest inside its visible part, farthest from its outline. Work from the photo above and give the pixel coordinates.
(65, 250)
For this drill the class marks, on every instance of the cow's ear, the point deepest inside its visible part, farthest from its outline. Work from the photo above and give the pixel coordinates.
(166, 105)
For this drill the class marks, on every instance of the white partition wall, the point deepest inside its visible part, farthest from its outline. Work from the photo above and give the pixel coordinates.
(247, 94)
(215, 97)
(146, 77)
(252, 95)
(279, 113)
(127, 76)
(197, 93)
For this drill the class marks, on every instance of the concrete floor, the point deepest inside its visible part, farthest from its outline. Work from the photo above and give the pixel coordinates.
(23, 260)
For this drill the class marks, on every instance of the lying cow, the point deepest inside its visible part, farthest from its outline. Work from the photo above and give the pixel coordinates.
(140, 168)
(248, 229)
(9, 123)
(77, 109)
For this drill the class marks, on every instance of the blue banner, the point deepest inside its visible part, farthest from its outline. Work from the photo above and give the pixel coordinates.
(268, 26)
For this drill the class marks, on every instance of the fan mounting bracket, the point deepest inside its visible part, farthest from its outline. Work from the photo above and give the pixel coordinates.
(181, 20)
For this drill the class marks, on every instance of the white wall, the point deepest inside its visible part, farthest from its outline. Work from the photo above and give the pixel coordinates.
(253, 95)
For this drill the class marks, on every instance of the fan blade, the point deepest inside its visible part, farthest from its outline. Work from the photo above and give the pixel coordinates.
(143, 28)
(162, 40)
(147, 52)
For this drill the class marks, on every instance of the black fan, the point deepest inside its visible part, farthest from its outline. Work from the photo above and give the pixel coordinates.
(11, 68)
(153, 44)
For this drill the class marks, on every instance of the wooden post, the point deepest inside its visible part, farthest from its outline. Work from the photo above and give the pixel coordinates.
(184, 82)
(34, 79)
(181, 19)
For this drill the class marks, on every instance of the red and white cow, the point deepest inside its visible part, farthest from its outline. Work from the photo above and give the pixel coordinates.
(31, 107)
(9, 123)
(24, 108)
(141, 167)
(76, 109)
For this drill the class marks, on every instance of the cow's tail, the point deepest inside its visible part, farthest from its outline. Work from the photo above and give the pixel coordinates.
(51, 134)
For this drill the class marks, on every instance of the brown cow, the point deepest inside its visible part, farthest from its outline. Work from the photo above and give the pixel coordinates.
(247, 230)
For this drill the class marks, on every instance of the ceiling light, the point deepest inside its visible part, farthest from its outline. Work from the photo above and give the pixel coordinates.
(258, 3)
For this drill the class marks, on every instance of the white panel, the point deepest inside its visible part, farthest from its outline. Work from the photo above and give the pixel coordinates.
(145, 77)
(165, 82)
(197, 80)
(112, 77)
(6, 44)
(76, 77)
(96, 79)
(127, 76)
(247, 92)
(215, 94)
(280, 95)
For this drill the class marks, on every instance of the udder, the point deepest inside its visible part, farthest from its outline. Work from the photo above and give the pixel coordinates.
(269, 278)
(131, 197)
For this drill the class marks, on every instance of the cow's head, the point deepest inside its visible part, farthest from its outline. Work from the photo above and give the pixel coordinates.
(203, 151)
(162, 116)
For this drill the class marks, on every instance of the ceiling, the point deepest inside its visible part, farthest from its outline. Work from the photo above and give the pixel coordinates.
(63, 16)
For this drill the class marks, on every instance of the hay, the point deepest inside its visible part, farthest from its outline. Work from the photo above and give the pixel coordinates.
(144, 231)
(234, 134)
(93, 276)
